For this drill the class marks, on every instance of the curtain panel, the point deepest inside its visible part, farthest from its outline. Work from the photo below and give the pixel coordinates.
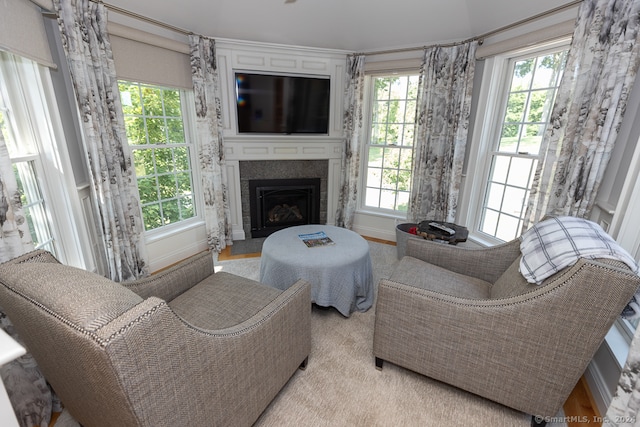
(213, 170)
(15, 238)
(444, 104)
(83, 28)
(624, 409)
(28, 391)
(354, 134)
(601, 67)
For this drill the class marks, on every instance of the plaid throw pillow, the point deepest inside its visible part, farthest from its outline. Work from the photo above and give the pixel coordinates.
(559, 242)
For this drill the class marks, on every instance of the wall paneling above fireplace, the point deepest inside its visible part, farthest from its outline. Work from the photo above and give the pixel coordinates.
(256, 57)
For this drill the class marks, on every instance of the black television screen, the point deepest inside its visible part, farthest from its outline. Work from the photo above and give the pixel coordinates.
(282, 104)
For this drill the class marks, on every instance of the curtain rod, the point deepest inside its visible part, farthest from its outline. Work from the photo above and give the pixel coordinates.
(147, 19)
(482, 36)
(381, 52)
(47, 9)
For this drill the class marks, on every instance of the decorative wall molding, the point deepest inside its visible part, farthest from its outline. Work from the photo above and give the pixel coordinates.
(249, 57)
(258, 57)
(280, 149)
(95, 262)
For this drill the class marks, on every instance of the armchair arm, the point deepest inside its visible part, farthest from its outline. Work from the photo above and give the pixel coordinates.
(171, 282)
(170, 368)
(38, 255)
(526, 352)
(486, 264)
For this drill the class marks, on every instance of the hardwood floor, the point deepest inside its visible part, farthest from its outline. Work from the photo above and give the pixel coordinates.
(580, 408)
(225, 255)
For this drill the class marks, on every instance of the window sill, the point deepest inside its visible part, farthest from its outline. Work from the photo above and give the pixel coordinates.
(171, 230)
(618, 344)
(483, 240)
(388, 215)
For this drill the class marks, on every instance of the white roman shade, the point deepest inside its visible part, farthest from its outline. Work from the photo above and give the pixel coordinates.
(22, 31)
(553, 32)
(148, 58)
(394, 66)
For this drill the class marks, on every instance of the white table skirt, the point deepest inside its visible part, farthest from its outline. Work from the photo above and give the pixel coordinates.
(340, 275)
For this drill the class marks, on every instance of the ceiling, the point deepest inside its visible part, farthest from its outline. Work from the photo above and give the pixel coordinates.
(352, 25)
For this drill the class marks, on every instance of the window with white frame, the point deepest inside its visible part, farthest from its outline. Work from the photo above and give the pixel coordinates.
(162, 152)
(529, 88)
(17, 129)
(389, 147)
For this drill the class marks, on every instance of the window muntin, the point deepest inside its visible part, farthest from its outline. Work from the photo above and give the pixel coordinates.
(155, 127)
(33, 205)
(531, 88)
(25, 162)
(389, 150)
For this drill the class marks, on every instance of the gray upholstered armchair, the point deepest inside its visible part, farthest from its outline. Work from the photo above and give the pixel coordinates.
(468, 318)
(182, 347)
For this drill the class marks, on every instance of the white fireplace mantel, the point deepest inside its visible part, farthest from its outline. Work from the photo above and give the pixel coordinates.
(285, 147)
(276, 148)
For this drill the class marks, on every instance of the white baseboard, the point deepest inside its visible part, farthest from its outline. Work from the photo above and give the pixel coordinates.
(237, 233)
(597, 386)
(170, 258)
(167, 249)
(375, 233)
(375, 225)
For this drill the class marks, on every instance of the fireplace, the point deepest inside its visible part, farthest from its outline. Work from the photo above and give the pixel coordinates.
(294, 170)
(279, 203)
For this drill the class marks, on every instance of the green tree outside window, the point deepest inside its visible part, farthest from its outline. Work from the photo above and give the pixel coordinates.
(161, 153)
(390, 148)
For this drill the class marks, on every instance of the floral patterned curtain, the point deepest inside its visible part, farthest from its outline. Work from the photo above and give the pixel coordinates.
(28, 391)
(591, 100)
(624, 409)
(15, 238)
(444, 103)
(83, 27)
(211, 149)
(353, 131)
(601, 67)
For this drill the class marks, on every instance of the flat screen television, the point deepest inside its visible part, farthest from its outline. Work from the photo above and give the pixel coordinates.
(281, 104)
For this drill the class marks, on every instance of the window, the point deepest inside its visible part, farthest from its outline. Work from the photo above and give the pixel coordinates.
(389, 148)
(25, 156)
(530, 88)
(161, 152)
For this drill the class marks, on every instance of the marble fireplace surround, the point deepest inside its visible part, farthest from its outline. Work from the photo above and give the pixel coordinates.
(281, 157)
(282, 169)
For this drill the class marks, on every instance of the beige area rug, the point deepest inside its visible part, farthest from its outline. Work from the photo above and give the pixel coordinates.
(341, 386)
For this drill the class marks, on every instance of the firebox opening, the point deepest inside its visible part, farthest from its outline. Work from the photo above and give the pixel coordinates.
(281, 203)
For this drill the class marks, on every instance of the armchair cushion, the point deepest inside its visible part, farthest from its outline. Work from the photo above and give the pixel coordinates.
(236, 299)
(438, 279)
(486, 264)
(511, 283)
